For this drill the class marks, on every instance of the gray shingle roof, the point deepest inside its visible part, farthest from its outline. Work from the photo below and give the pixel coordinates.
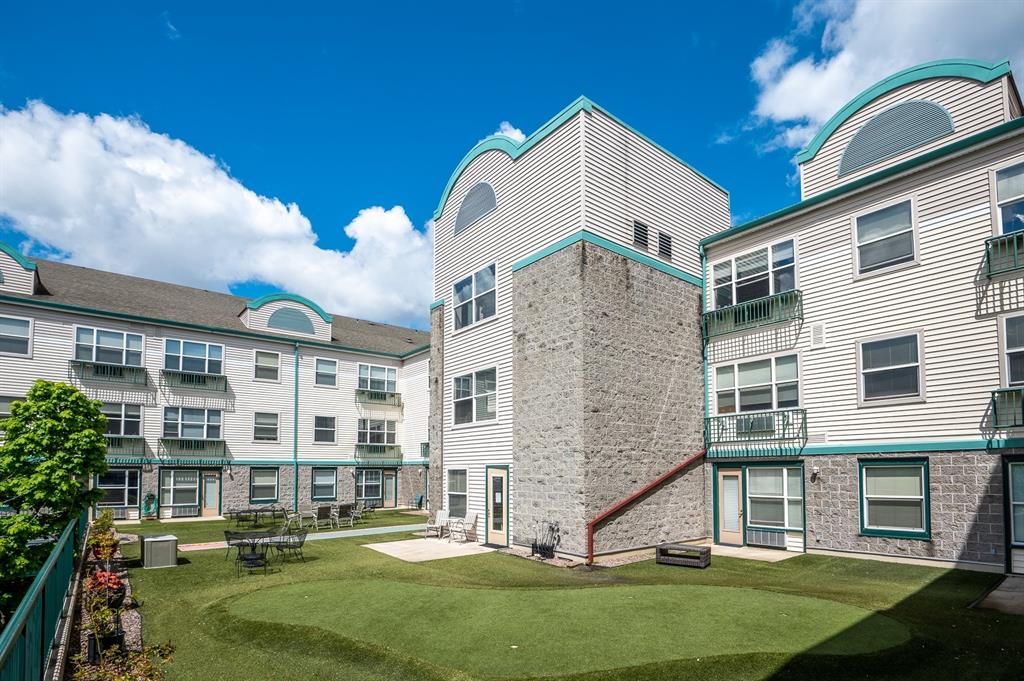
(119, 293)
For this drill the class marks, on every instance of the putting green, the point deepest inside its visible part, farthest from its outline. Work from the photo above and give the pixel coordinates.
(532, 632)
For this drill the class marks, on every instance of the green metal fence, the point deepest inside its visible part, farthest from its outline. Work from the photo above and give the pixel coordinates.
(368, 451)
(192, 380)
(29, 637)
(1004, 253)
(782, 307)
(106, 373)
(783, 425)
(1008, 408)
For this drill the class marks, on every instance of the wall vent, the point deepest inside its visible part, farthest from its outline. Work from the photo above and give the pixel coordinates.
(480, 200)
(902, 127)
(818, 339)
(775, 539)
(664, 245)
(640, 236)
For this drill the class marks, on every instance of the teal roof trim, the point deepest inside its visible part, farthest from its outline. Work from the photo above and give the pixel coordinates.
(909, 164)
(436, 304)
(973, 69)
(516, 149)
(295, 298)
(25, 263)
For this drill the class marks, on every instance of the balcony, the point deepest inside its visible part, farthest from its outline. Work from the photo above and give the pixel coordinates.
(106, 373)
(195, 381)
(1008, 408)
(753, 314)
(176, 446)
(784, 426)
(378, 397)
(378, 452)
(126, 444)
(1004, 253)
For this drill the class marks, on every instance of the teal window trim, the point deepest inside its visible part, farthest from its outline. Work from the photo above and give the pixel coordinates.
(312, 483)
(926, 533)
(99, 505)
(1010, 464)
(742, 466)
(277, 485)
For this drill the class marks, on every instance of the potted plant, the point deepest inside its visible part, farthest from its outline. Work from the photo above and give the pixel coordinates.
(103, 626)
(107, 585)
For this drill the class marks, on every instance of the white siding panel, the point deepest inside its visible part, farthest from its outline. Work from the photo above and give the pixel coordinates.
(257, 319)
(14, 278)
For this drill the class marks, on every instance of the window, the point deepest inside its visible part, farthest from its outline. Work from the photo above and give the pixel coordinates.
(326, 372)
(323, 429)
(264, 427)
(120, 487)
(368, 484)
(325, 484)
(123, 419)
(885, 237)
(262, 484)
(640, 239)
(1017, 503)
(5, 405)
(475, 297)
(384, 379)
(890, 369)
(15, 336)
(192, 424)
(1010, 199)
(108, 347)
(290, 319)
(775, 497)
(754, 275)
(375, 432)
(1014, 342)
(195, 358)
(179, 488)
(894, 498)
(267, 366)
(761, 385)
(664, 245)
(475, 396)
(457, 493)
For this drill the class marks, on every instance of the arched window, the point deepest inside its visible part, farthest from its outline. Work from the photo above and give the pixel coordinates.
(904, 126)
(480, 200)
(290, 319)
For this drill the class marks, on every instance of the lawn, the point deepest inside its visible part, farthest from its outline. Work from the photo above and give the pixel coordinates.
(352, 613)
(199, 531)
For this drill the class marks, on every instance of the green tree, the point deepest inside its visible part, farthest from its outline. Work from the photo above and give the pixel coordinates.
(52, 446)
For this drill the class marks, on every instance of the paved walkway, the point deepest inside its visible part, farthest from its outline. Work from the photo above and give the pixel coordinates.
(751, 553)
(314, 536)
(1008, 597)
(420, 550)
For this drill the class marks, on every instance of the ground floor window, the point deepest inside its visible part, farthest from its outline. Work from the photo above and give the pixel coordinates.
(179, 488)
(894, 498)
(1017, 503)
(457, 493)
(263, 484)
(325, 484)
(368, 484)
(775, 497)
(120, 487)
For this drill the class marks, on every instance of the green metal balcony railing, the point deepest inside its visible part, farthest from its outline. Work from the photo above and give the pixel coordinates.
(1008, 408)
(107, 373)
(378, 397)
(1004, 253)
(776, 309)
(125, 444)
(181, 445)
(368, 451)
(196, 381)
(782, 425)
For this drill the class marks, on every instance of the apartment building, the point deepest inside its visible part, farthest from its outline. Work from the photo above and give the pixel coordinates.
(214, 401)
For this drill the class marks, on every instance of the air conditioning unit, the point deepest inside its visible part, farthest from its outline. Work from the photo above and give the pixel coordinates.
(159, 552)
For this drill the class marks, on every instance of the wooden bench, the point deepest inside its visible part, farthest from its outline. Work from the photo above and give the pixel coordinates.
(688, 555)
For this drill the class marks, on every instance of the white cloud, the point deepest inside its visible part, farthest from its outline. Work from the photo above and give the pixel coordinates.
(109, 193)
(863, 42)
(170, 30)
(508, 130)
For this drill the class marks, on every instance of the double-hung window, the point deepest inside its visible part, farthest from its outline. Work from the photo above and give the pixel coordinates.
(325, 484)
(378, 379)
(1014, 348)
(775, 497)
(891, 369)
(885, 237)
(123, 419)
(894, 498)
(120, 487)
(457, 492)
(179, 487)
(474, 297)
(15, 336)
(5, 405)
(324, 429)
(476, 396)
(193, 357)
(758, 386)
(1017, 503)
(267, 366)
(189, 423)
(108, 347)
(326, 372)
(264, 426)
(263, 484)
(1010, 199)
(376, 432)
(754, 275)
(368, 484)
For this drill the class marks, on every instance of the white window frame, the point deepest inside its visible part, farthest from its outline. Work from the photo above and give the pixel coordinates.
(123, 417)
(181, 356)
(174, 486)
(124, 345)
(1017, 466)
(277, 427)
(363, 431)
(207, 423)
(9, 399)
(865, 500)
(997, 215)
(333, 430)
(30, 338)
(774, 382)
(313, 483)
(448, 488)
(770, 247)
(388, 371)
(277, 484)
(1005, 350)
(255, 356)
(899, 399)
(915, 235)
(124, 487)
(473, 298)
(476, 422)
(317, 372)
(361, 483)
(785, 497)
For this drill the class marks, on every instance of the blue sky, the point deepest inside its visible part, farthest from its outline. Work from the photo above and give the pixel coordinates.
(340, 107)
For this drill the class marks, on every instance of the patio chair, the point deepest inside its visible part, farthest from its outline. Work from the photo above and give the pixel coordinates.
(355, 514)
(291, 544)
(292, 519)
(335, 516)
(323, 517)
(234, 540)
(306, 513)
(417, 502)
(462, 527)
(439, 524)
(243, 515)
(252, 557)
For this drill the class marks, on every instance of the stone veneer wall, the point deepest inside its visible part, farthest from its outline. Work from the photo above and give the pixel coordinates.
(235, 485)
(435, 427)
(608, 370)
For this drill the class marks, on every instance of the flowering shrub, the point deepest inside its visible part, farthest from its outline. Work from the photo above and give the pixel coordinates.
(103, 581)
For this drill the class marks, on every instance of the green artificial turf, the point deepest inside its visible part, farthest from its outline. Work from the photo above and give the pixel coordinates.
(350, 612)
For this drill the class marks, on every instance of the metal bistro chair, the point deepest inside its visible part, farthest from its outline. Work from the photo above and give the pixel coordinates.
(292, 544)
(355, 514)
(234, 540)
(252, 556)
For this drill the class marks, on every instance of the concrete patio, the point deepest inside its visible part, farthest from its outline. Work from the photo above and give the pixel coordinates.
(421, 550)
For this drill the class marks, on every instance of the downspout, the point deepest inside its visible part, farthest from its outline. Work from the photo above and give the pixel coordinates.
(295, 436)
